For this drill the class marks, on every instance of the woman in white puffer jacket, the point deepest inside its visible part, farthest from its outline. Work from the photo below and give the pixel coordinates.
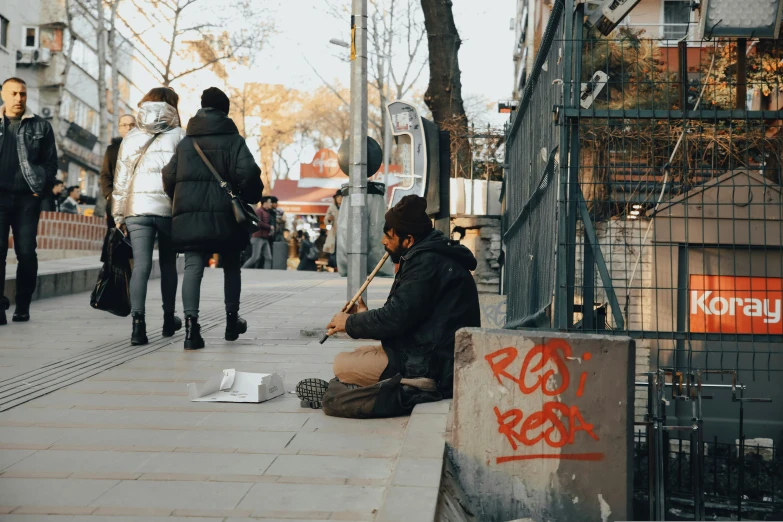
(141, 207)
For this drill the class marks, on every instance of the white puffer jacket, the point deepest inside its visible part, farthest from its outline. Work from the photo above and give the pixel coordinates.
(142, 194)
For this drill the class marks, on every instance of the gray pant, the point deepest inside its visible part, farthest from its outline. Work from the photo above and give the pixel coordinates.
(194, 272)
(142, 230)
(261, 248)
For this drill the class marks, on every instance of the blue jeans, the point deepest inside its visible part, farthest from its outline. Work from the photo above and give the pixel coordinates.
(142, 230)
(20, 213)
(261, 249)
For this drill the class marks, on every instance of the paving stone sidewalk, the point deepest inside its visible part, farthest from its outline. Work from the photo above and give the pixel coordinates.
(127, 444)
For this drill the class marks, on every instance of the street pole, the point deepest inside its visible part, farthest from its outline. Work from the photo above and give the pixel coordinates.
(357, 184)
(386, 130)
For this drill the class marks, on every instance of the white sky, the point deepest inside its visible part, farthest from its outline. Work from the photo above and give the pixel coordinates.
(303, 29)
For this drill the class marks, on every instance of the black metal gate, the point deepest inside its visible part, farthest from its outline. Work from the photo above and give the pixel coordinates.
(643, 197)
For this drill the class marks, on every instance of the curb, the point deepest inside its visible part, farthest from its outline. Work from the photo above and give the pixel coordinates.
(69, 276)
(412, 495)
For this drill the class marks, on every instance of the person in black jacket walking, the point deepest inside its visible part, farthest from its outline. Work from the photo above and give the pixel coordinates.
(202, 219)
(126, 124)
(28, 166)
(432, 297)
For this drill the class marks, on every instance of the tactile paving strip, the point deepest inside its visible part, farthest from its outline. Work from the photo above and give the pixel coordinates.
(59, 374)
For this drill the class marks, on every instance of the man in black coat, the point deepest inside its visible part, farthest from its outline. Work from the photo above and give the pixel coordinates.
(126, 124)
(432, 297)
(203, 221)
(28, 166)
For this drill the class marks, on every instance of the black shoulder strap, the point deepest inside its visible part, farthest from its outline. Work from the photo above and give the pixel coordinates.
(211, 168)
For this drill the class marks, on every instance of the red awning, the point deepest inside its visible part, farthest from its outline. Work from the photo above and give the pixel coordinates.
(302, 200)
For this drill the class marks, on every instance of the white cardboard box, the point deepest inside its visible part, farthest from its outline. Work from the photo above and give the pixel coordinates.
(234, 386)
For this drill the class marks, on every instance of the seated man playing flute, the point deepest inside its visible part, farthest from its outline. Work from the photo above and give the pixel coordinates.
(432, 297)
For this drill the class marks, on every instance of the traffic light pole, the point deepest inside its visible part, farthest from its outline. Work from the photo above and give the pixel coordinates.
(357, 185)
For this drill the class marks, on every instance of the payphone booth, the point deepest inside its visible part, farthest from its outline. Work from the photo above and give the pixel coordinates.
(425, 160)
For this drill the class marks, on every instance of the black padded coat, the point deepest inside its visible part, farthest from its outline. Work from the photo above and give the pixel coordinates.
(202, 219)
(432, 297)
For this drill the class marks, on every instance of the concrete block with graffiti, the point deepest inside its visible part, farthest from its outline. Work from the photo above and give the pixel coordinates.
(543, 424)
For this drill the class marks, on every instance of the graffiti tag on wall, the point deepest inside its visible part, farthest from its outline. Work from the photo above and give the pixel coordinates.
(544, 371)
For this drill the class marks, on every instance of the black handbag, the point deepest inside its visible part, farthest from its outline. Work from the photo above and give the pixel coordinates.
(244, 214)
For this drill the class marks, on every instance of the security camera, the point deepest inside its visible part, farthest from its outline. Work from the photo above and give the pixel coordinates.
(609, 14)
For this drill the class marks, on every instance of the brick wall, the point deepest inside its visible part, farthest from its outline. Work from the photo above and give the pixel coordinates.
(58, 231)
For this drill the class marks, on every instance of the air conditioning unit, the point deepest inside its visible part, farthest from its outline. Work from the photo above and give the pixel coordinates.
(24, 56)
(47, 112)
(42, 56)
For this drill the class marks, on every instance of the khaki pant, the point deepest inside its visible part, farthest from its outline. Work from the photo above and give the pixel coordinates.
(374, 397)
(362, 366)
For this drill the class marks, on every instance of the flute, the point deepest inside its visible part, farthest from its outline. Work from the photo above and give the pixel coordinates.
(352, 302)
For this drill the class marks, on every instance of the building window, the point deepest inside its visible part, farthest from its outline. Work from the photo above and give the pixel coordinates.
(3, 31)
(30, 37)
(676, 16)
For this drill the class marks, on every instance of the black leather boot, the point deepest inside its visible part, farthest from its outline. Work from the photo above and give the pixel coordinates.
(235, 326)
(139, 335)
(171, 324)
(193, 339)
(5, 304)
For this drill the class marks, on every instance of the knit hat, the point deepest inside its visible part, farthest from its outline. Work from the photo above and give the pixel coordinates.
(409, 215)
(216, 99)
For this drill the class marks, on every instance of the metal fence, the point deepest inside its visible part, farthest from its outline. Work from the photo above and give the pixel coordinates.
(643, 197)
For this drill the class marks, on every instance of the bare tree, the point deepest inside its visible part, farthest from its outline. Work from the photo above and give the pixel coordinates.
(444, 93)
(104, 134)
(57, 119)
(393, 25)
(114, 56)
(221, 31)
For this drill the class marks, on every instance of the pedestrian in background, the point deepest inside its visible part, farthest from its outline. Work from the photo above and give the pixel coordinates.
(141, 207)
(279, 223)
(52, 202)
(308, 253)
(24, 182)
(332, 215)
(71, 203)
(126, 124)
(203, 219)
(262, 248)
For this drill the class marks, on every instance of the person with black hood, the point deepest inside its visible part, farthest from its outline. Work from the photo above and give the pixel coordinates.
(432, 297)
(203, 221)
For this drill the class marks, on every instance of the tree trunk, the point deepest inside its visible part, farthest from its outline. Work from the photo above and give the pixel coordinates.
(115, 72)
(59, 131)
(444, 93)
(102, 113)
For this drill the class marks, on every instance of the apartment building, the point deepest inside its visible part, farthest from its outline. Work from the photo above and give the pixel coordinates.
(666, 21)
(34, 37)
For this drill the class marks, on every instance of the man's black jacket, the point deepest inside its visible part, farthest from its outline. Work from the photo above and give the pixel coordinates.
(432, 297)
(108, 167)
(37, 152)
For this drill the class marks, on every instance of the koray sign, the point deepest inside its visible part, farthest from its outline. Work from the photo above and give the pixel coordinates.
(736, 305)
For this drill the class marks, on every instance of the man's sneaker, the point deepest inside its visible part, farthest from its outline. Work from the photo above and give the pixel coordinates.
(311, 392)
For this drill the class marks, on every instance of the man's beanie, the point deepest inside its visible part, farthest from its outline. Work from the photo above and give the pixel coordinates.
(216, 99)
(409, 215)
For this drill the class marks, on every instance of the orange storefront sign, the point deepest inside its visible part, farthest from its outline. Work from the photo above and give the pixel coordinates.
(736, 305)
